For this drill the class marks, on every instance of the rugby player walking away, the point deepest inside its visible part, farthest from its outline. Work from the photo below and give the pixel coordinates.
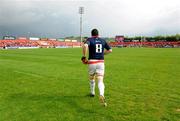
(97, 48)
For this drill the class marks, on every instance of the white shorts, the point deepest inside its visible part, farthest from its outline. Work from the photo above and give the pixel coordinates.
(96, 67)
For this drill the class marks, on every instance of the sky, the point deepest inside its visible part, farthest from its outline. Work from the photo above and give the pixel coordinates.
(60, 18)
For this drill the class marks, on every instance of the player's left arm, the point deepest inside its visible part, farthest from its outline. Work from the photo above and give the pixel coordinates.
(108, 49)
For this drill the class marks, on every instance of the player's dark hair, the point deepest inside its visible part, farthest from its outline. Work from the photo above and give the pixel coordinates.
(94, 32)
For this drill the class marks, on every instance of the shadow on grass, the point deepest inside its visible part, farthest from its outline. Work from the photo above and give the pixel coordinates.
(76, 102)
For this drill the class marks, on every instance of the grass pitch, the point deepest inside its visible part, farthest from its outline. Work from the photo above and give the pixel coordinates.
(142, 84)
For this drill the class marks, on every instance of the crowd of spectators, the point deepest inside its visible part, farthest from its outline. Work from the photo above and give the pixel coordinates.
(146, 44)
(54, 43)
(39, 43)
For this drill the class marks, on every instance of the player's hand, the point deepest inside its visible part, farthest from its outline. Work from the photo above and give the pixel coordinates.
(84, 60)
(107, 51)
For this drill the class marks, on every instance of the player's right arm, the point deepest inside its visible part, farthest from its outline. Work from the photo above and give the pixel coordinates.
(85, 49)
(84, 53)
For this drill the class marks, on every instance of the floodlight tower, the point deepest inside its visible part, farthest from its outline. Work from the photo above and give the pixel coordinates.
(81, 11)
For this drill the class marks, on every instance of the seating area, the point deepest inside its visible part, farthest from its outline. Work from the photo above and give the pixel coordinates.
(39, 43)
(17, 43)
(54, 43)
(145, 44)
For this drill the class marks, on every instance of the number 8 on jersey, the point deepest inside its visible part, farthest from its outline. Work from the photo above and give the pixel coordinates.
(98, 48)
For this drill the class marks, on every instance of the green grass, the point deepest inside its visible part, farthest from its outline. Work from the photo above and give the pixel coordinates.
(142, 84)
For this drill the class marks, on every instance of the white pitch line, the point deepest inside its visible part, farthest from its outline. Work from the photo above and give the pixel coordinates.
(30, 74)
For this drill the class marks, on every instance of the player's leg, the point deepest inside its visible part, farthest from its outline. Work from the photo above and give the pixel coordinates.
(92, 85)
(100, 85)
(101, 89)
(100, 76)
(92, 79)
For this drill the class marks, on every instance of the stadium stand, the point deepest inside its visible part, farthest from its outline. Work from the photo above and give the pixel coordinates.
(19, 43)
(40, 43)
(145, 44)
